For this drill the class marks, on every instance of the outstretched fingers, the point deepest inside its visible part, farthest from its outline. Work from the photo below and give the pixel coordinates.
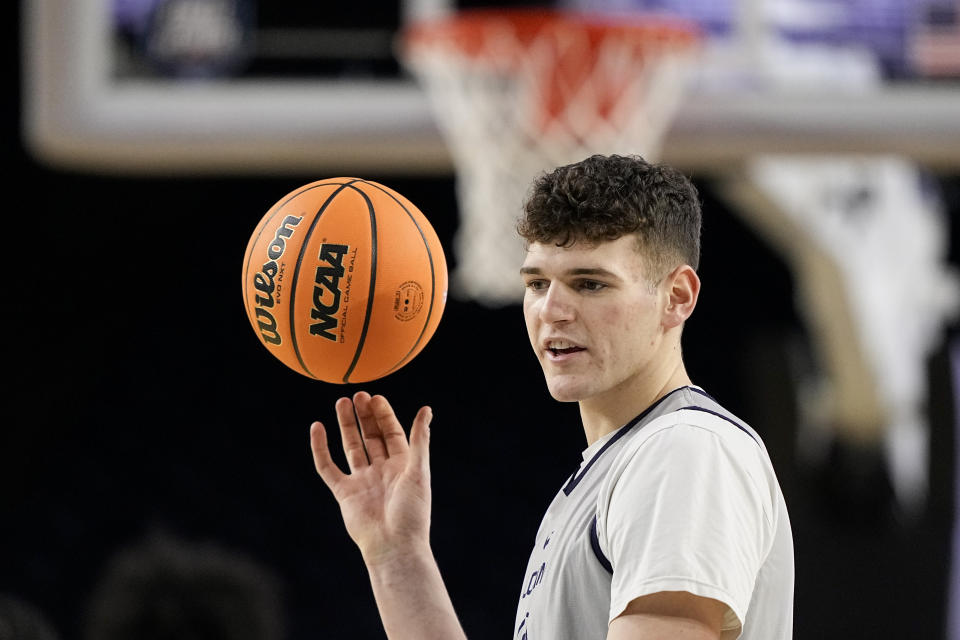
(370, 433)
(394, 439)
(353, 448)
(369, 429)
(420, 439)
(329, 472)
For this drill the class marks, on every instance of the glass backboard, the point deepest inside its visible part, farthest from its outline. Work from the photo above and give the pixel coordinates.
(251, 86)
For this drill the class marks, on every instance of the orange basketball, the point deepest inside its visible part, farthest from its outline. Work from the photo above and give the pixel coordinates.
(344, 280)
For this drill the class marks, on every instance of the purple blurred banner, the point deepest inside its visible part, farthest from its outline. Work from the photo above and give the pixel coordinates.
(884, 27)
(185, 38)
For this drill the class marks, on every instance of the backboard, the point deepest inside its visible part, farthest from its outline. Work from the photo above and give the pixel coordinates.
(247, 86)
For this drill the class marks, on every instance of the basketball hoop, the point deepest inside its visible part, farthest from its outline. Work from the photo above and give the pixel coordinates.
(517, 92)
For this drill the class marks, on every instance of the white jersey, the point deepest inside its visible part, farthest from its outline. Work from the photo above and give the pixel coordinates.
(683, 498)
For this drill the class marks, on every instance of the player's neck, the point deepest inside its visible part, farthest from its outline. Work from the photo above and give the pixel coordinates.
(609, 411)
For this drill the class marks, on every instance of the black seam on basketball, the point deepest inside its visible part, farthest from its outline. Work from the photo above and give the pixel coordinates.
(277, 208)
(296, 274)
(373, 282)
(433, 277)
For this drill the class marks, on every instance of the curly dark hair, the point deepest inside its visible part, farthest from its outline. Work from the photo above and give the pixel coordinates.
(603, 198)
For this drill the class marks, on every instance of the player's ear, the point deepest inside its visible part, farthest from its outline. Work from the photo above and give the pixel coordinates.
(681, 288)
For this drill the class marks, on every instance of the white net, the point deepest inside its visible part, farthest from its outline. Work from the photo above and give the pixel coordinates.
(512, 104)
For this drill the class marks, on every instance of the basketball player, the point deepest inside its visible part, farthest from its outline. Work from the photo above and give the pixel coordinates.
(674, 526)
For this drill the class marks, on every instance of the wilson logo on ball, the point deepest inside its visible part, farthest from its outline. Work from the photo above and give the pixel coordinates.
(264, 281)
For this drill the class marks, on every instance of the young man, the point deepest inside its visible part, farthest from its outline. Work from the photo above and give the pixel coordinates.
(674, 526)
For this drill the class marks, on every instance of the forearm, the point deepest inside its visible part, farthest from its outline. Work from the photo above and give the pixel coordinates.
(412, 599)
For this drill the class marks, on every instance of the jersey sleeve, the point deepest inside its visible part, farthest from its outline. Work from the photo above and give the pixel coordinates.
(686, 509)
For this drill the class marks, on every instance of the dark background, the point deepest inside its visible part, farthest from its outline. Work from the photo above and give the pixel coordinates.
(139, 400)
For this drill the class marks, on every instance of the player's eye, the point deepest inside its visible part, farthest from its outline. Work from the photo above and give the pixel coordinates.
(537, 285)
(591, 285)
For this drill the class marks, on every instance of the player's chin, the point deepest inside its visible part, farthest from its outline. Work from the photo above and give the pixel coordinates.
(565, 388)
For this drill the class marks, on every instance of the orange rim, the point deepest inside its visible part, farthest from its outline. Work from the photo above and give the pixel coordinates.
(467, 30)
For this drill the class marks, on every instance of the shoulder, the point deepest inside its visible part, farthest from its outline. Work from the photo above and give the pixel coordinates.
(695, 451)
(691, 430)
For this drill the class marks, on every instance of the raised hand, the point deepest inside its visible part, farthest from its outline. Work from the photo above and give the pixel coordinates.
(385, 499)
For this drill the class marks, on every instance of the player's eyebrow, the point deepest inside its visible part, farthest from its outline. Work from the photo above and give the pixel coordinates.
(578, 271)
(592, 271)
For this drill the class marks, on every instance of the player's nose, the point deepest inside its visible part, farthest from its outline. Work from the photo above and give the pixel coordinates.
(556, 305)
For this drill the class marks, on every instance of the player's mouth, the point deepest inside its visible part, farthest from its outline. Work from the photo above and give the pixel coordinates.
(560, 349)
